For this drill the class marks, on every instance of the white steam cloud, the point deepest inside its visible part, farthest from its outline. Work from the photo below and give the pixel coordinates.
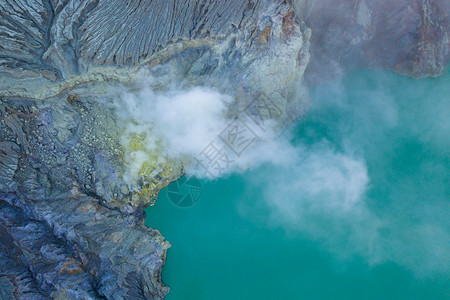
(324, 189)
(185, 121)
(319, 189)
(174, 125)
(189, 125)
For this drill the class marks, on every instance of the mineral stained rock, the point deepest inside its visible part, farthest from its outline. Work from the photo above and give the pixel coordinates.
(70, 226)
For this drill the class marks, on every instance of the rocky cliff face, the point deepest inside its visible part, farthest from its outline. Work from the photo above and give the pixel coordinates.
(70, 226)
(407, 36)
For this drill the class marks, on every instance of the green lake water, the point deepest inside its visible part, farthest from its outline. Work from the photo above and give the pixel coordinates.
(361, 213)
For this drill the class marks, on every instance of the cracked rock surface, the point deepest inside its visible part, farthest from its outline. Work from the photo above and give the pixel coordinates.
(70, 226)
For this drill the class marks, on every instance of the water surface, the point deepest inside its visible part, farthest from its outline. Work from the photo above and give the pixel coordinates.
(362, 213)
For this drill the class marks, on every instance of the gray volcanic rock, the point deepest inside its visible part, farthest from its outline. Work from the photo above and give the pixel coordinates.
(55, 240)
(70, 227)
(408, 36)
(73, 42)
(256, 50)
(80, 250)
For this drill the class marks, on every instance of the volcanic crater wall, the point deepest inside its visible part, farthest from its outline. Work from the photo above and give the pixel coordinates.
(70, 227)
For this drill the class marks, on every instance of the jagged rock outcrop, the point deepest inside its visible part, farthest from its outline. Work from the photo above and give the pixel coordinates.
(74, 248)
(58, 238)
(70, 227)
(257, 51)
(407, 36)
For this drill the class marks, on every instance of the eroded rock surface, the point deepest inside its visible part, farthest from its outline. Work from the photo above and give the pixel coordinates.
(70, 227)
(74, 248)
(408, 36)
(58, 237)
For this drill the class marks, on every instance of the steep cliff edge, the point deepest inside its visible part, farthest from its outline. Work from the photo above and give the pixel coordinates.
(70, 226)
(410, 37)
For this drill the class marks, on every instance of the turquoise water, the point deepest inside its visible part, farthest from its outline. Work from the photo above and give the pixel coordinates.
(361, 212)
